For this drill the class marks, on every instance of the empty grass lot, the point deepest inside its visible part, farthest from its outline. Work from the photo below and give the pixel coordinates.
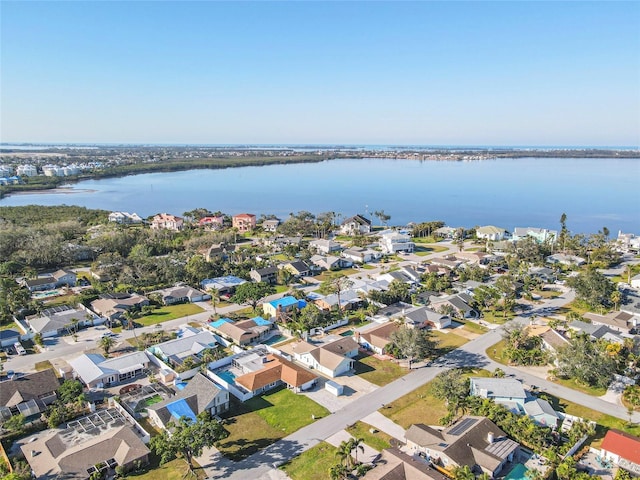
(378, 441)
(314, 464)
(174, 470)
(427, 249)
(420, 406)
(263, 420)
(448, 341)
(170, 312)
(379, 372)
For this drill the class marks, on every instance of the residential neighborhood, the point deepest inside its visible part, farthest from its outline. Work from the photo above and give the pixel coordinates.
(362, 351)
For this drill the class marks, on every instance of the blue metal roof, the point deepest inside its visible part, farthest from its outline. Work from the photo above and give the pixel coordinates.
(180, 408)
(261, 321)
(284, 302)
(220, 322)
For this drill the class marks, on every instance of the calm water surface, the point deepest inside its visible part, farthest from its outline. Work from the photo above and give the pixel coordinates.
(594, 193)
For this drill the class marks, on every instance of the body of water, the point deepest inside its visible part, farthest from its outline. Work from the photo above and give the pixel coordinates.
(593, 192)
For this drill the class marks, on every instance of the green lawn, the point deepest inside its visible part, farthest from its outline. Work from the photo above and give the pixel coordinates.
(635, 270)
(328, 275)
(548, 293)
(576, 306)
(10, 326)
(496, 316)
(496, 352)
(282, 288)
(424, 249)
(366, 266)
(378, 441)
(424, 240)
(44, 365)
(170, 312)
(475, 328)
(379, 372)
(448, 341)
(173, 470)
(261, 421)
(420, 406)
(314, 464)
(571, 383)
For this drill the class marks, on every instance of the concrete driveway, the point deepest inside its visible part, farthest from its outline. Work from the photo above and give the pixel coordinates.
(354, 388)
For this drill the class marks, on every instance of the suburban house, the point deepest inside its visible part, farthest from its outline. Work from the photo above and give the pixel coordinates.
(98, 442)
(540, 235)
(459, 302)
(331, 359)
(543, 273)
(324, 246)
(212, 222)
(9, 337)
(552, 340)
(285, 304)
(622, 449)
(491, 233)
(394, 464)
(191, 344)
(392, 242)
(628, 242)
(49, 282)
(265, 372)
(330, 262)
(166, 221)
(271, 225)
(28, 394)
(448, 262)
(404, 275)
(200, 395)
(244, 222)
(377, 338)
(243, 332)
(182, 294)
(216, 251)
(619, 321)
(297, 268)
(125, 218)
(473, 441)
(445, 232)
(348, 300)
(595, 332)
(266, 275)
(423, 317)
(473, 258)
(565, 259)
(60, 320)
(224, 285)
(510, 393)
(113, 305)
(356, 225)
(361, 255)
(95, 371)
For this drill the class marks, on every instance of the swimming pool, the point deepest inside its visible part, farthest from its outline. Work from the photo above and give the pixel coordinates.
(519, 472)
(227, 376)
(273, 340)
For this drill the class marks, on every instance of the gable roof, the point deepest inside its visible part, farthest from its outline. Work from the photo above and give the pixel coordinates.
(394, 464)
(498, 387)
(622, 444)
(275, 368)
(359, 219)
(380, 336)
(93, 366)
(467, 442)
(28, 387)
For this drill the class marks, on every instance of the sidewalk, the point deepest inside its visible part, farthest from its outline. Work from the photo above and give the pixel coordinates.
(382, 423)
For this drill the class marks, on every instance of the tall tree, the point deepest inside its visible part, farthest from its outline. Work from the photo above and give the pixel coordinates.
(106, 343)
(412, 343)
(452, 387)
(592, 287)
(252, 293)
(586, 361)
(186, 438)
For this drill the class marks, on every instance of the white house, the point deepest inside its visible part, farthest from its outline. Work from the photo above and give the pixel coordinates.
(541, 235)
(355, 225)
(331, 359)
(361, 255)
(324, 246)
(125, 218)
(392, 242)
(97, 372)
(491, 232)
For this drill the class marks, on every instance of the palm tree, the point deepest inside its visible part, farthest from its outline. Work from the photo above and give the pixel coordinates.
(338, 472)
(616, 297)
(357, 444)
(106, 343)
(344, 454)
(215, 299)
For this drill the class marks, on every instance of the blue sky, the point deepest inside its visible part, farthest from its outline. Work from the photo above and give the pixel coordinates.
(428, 73)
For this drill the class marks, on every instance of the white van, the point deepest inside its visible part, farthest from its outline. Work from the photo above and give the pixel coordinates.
(19, 348)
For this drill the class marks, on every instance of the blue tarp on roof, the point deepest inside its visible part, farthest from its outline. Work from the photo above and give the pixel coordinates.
(284, 302)
(261, 321)
(220, 322)
(180, 408)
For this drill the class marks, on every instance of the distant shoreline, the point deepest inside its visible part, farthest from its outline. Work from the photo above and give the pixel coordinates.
(177, 163)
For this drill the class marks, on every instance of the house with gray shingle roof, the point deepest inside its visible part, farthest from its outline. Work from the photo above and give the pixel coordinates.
(422, 317)
(201, 394)
(473, 441)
